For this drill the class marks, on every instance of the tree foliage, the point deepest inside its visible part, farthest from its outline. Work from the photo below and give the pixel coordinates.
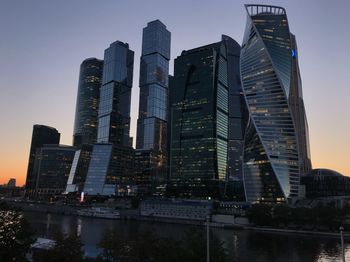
(260, 214)
(15, 234)
(148, 247)
(67, 248)
(320, 217)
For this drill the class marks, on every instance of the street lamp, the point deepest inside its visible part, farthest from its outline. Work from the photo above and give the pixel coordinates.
(208, 259)
(341, 228)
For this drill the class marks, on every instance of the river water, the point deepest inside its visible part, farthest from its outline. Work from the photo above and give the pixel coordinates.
(242, 245)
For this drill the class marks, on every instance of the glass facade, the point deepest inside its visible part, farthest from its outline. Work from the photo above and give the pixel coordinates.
(297, 107)
(199, 95)
(111, 166)
(51, 168)
(115, 95)
(78, 172)
(152, 121)
(271, 160)
(154, 70)
(86, 111)
(41, 135)
(237, 113)
(98, 168)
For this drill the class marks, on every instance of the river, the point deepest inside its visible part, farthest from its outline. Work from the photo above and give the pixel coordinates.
(242, 245)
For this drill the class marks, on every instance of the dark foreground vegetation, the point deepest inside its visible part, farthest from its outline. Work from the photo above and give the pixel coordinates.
(322, 217)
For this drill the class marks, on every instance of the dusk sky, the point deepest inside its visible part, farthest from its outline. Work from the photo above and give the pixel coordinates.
(42, 44)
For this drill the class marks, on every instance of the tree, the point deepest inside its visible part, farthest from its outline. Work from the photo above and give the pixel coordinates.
(147, 247)
(193, 246)
(15, 234)
(260, 214)
(281, 214)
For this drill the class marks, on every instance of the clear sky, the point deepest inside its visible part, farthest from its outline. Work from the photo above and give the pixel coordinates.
(42, 44)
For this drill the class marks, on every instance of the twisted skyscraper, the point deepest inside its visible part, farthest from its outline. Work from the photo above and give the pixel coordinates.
(272, 156)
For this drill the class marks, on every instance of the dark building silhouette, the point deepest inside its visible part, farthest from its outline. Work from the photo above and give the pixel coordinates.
(51, 169)
(237, 110)
(41, 135)
(325, 183)
(86, 110)
(296, 103)
(199, 142)
(11, 183)
(111, 166)
(151, 142)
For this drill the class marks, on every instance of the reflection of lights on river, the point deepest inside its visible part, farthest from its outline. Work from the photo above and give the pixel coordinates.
(332, 253)
(48, 222)
(235, 243)
(79, 224)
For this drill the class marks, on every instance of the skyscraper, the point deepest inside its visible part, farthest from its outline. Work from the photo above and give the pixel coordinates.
(297, 107)
(111, 165)
(200, 91)
(41, 135)
(271, 159)
(86, 121)
(51, 169)
(86, 110)
(151, 153)
(237, 110)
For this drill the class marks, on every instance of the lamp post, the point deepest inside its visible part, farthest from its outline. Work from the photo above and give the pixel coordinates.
(341, 228)
(208, 259)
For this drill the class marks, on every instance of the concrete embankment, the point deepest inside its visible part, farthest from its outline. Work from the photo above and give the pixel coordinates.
(298, 232)
(133, 215)
(44, 208)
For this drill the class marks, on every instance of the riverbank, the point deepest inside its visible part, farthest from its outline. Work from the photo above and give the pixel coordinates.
(133, 215)
(297, 232)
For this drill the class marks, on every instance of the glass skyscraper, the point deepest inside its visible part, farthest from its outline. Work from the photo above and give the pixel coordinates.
(199, 94)
(111, 166)
(41, 135)
(86, 111)
(78, 172)
(271, 160)
(151, 153)
(86, 121)
(296, 103)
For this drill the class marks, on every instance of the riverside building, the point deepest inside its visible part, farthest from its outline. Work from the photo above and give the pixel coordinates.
(110, 171)
(41, 135)
(271, 153)
(151, 142)
(200, 120)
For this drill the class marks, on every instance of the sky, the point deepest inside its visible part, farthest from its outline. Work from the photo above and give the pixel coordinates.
(42, 44)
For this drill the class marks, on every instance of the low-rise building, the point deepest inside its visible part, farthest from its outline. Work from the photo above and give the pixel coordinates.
(177, 209)
(320, 183)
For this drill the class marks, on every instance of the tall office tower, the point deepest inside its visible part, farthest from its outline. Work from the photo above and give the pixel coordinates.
(85, 123)
(199, 96)
(51, 168)
(111, 166)
(297, 107)
(151, 153)
(41, 135)
(237, 110)
(86, 110)
(271, 160)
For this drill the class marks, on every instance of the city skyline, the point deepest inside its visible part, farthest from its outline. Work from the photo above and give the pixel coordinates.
(45, 103)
